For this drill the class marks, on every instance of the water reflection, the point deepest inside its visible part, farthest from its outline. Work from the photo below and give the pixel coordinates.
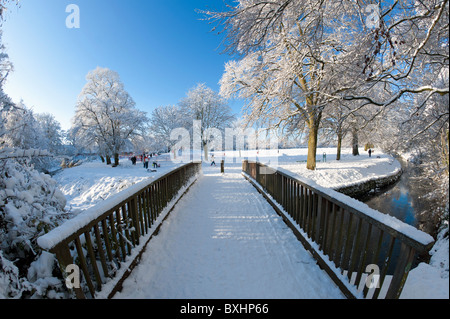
(405, 200)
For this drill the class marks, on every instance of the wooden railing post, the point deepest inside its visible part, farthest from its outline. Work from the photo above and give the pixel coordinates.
(62, 253)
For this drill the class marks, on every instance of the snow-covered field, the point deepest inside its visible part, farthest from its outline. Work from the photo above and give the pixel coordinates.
(93, 182)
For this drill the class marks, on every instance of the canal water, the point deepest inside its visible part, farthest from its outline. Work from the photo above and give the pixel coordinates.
(406, 199)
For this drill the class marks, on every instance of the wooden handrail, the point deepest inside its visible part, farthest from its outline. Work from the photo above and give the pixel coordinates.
(344, 235)
(102, 240)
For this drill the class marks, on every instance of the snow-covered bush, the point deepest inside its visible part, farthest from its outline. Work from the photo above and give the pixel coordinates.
(30, 205)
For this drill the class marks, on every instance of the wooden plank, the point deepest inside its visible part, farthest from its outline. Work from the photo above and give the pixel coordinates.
(158, 199)
(120, 234)
(340, 235)
(332, 233)
(297, 202)
(403, 267)
(112, 223)
(93, 259)
(135, 216)
(131, 226)
(107, 240)
(348, 239)
(144, 211)
(384, 269)
(84, 268)
(302, 206)
(376, 253)
(101, 251)
(356, 250)
(140, 214)
(65, 259)
(365, 253)
(324, 231)
(308, 203)
(316, 218)
(148, 198)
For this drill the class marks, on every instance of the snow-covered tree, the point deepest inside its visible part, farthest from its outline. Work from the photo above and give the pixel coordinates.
(294, 54)
(30, 205)
(22, 129)
(51, 132)
(163, 121)
(106, 115)
(204, 105)
(5, 101)
(298, 56)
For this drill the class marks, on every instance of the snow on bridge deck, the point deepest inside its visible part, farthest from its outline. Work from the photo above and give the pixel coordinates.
(224, 241)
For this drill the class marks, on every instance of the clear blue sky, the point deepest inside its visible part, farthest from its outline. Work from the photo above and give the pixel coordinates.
(160, 49)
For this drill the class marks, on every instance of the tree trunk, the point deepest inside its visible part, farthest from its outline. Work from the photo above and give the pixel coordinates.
(312, 145)
(339, 147)
(102, 158)
(355, 142)
(205, 151)
(116, 159)
(108, 160)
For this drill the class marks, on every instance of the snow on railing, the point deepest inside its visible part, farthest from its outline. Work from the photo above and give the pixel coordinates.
(105, 242)
(346, 237)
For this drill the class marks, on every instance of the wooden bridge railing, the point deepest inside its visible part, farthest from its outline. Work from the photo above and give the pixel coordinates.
(344, 235)
(104, 239)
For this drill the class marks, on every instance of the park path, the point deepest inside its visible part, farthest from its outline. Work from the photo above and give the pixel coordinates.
(224, 241)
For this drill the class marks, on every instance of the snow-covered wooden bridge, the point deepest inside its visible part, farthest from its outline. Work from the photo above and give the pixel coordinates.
(196, 234)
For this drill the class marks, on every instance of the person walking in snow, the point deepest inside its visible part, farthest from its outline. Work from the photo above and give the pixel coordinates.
(146, 161)
(370, 152)
(213, 162)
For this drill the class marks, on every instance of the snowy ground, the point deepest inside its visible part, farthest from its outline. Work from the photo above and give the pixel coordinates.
(234, 229)
(92, 182)
(337, 174)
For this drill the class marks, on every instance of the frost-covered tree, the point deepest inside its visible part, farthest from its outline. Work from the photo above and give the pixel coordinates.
(51, 132)
(419, 125)
(163, 121)
(22, 129)
(204, 105)
(106, 115)
(408, 64)
(297, 56)
(294, 53)
(5, 101)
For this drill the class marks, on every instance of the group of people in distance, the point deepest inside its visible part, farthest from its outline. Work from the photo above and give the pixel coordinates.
(145, 159)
